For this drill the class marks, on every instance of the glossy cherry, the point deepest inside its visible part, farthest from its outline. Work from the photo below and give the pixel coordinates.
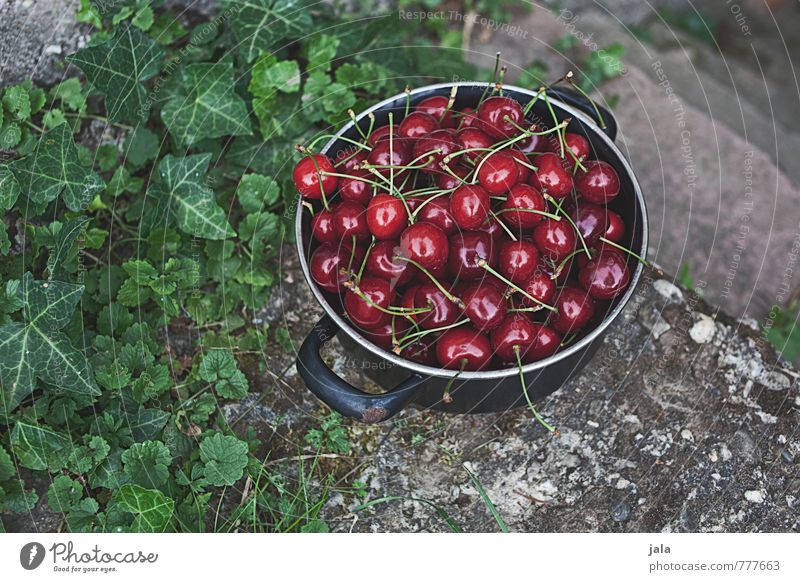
(325, 265)
(383, 335)
(534, 143)
(382, 262)
(555, 238)
(493, 228)
(436, 106)
(517, 260)
(356, 188)
(578, 145)
(367, 314)
(463, 348)
(416, 124)
(386, 216)
(306, 176)
(350, 219)
(521, 199)
(493, 112)
(615, 231)
(591, 221)
(466, 249)
(447, 181)
(546, 343)
(484, 305)
(523, 164)
(472, 138)
(434, 147)
(381, 133)
(517, 332)
(550, 176)
(437, 211)
(444, 312)
(349, 159)
(390, 153)
(322, 227)
(469, 206)
(575, 310)
(426, 244)
(422, 351)
(539, 286)
(498, 172)
(606, 276)
(599, 183)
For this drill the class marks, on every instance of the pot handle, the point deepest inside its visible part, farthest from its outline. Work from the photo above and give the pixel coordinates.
(572, 97)
(338, 394)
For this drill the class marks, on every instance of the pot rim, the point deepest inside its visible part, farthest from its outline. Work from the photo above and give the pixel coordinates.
(504, 372)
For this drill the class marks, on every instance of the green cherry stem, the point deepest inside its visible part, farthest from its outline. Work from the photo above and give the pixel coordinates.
(484, 265)
(572, 222)
(503, 225)
(536, 414)
(341, 137)
(630, 252)
(434, 280)
(414, 336)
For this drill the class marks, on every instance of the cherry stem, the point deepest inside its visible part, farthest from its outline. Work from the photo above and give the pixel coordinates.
(530, 210)
(352, 115)
(560, 134)
(420, 334)
(347, 159)
(450, 103)
(447, 169)
(319, 179)
(568, 340)
(508, 143)
(341, 137)
(533, 101)
(568, 79)
(630, 252)
(434, 197)
(393, 189)
(572, 222)
(557, 270)
(371, 117)
(446, 398)
(503, 225)
(307, 204)
(392, 310)
(435, 281)
(484, 265)
(407, 91)
(352, 255)
(364, 260)
(536, 414)
(494, 77)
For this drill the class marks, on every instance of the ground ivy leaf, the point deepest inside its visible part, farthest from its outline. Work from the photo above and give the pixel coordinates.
(18, 102)
(225, 458)
(181, 185)
(141, 146)
(38, 447)
(63, 494)
(117, 69)
(152, 509)
(217, 364)
(37, 349)
(7, 468)
(207, 105)
(147, 464)
(52, 168)
(9, 188)
(258, 24)
(64, 239)
(255, 192)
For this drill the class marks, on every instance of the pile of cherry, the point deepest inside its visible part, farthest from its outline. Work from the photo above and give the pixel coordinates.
(467, 239)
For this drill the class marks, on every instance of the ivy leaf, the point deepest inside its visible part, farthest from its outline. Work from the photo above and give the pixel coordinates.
(152, 509)
(206, 105)
(7, 468)
(258, 24)
(37, 349)
(63, 494)
(224, 457)
(144, 423)
(320, 51)
(270, 75)
(181, 185)
(65, 237)
(39, 448)
(9, 188)
(256, 192)
(147, 464)
(53, 169)
(117, 69)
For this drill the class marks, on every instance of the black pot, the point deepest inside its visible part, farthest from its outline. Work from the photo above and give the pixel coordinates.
(472, 392)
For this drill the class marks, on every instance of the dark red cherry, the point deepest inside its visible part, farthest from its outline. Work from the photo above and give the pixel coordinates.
(394, 153)
(522, 164)
(493, 229)
(498, 172)
(540, 286)
(426, 244)
(555, 238)
(484, 305)
(522, 198)
(382, 262)
(590, 220)
(546, 343)
(307, 173)
(469, 118)
(472, 138)
(366, 314)
(534, 143)
(386, 216)
(517, 260)
(436, 106)
(469, 206)
(383, 335)
(437, 211)
(422, 351)
(493, 113)
(444, 312)
(516, 333)
(578, 145)
(575, 310)
(322, 228)
(605, 276)
(355, 188)
(550, 176)
(417, 124)
(447, 181)
(616, 227)
(466, 249)
(599, 183)
(349, 159)
(350, 219)
(434, 147)
(463, 348)
(325, 265)
(381, 133)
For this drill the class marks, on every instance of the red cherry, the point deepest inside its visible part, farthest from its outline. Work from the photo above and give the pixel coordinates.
(355, 188)
(426, 244)
(386, 216)
(493, 112)
(599, 183)
(605, 276)
(325, 265)
(575, 310)
(382, 262)
(444, 311)
(306, 176)
(468, 117)
(616, 227)
(382, 336)
(517, 260)
(466, 249)
(523, 197)
(381, 133)
(473, 138)
(534, 143)
(522, 164)
(322, 227)
(578, 145)
(366, 314)
(546, 342)
(422, 351)
(498, 172)
(493, 229)
(515, 331)
(436, 107)
(540, 286)
(550, 176)
(437, 211)
(417, 124)
(484, 305)
(350, 219)
(390, 153)
(463, 348)
(555, 238)
(350, 159)
(446, 180)
(435, 146)
(469, 206)
(590, 220)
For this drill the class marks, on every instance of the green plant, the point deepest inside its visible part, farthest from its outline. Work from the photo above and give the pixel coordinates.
(784, 333)
(172, 223)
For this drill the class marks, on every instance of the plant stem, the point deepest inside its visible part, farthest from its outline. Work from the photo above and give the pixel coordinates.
(536, 414)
